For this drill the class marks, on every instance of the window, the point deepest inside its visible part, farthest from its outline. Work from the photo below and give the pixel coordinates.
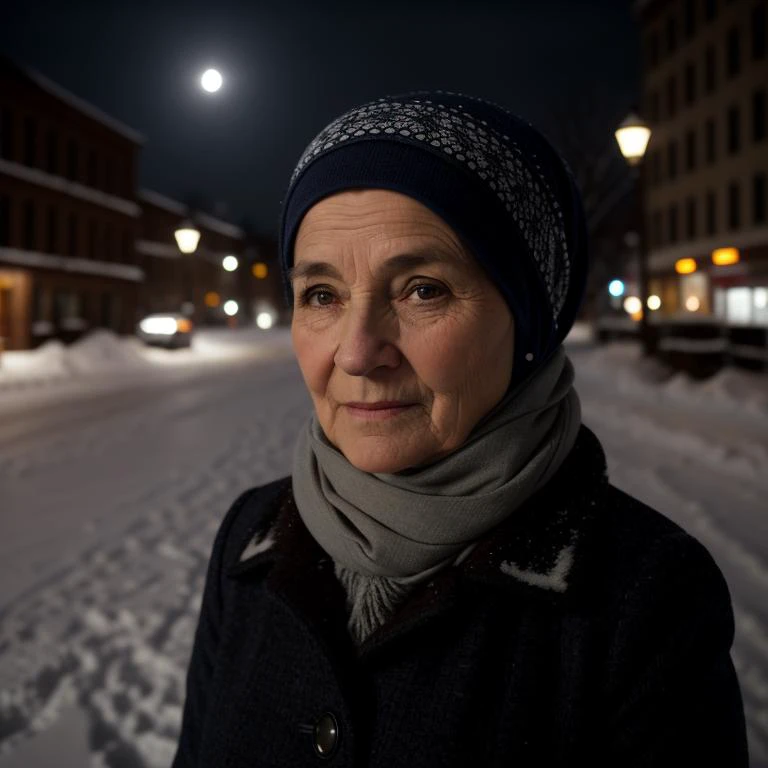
(734, 130)
(734, 205)
(92, 239)
(127, 247)
(671, 96)
(671, 34)
(690, 150)
(672, 160)
(653, 106)
(710, 69)
(759, 212)
(711, 213)
(6, 133)
(656, 167)
(72, 238)
(30, 141)
(5, 220)
(690, 218)
(52, 229)
(109, 243)
(710, 9)
(109, 175)
(758, 116)
(758, 31)
(672, 222)
(93, 169)
(29, 242)
(690, 18)
(52, 153)
(658, 235)
(733, 52)
(690, 83)
(72, 160)
(710, 140)
(652, 49)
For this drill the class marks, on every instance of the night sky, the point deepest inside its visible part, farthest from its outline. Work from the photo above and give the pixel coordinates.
(290, 67)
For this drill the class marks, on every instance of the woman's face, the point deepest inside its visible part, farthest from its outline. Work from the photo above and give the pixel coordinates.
(390, 307)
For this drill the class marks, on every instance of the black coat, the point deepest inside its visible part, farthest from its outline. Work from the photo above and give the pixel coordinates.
(587, 629)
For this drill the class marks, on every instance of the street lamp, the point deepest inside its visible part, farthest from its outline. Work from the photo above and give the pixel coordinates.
(187, 236)
(633, 136)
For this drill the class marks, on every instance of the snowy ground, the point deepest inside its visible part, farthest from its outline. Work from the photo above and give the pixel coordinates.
(112, 486)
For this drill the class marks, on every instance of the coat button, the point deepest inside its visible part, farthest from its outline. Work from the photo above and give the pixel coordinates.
(326, 735)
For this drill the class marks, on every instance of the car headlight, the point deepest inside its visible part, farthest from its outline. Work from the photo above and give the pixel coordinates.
(159, 326)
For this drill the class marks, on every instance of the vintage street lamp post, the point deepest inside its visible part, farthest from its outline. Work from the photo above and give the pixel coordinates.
(187, 238)
(633, 136)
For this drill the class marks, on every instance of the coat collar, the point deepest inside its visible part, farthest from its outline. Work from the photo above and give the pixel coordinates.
(538, 552)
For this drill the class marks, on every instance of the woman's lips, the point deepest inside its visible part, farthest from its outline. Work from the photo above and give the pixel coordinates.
(377, 411)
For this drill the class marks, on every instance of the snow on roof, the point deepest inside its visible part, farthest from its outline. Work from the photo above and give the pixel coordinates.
(82, 106)
(204, 219)
(71, 264)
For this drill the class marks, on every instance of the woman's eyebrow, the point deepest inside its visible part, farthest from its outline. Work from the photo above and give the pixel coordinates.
(397, 263)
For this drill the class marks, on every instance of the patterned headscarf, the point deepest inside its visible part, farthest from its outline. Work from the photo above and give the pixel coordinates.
(489, 175)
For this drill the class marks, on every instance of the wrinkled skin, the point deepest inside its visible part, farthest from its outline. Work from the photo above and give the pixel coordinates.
(368, 328)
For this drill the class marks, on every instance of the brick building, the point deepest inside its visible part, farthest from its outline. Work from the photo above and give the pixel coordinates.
(705, 86)
(68, 213)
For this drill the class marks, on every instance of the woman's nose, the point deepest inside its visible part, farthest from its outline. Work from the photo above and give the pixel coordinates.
(366, 342)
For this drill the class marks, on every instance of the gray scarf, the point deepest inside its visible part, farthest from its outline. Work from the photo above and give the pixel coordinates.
(409, 525)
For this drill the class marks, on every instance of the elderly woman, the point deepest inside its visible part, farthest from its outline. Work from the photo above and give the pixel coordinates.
(447, 578)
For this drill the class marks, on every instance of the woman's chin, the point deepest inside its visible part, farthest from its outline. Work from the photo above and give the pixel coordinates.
(380, 459)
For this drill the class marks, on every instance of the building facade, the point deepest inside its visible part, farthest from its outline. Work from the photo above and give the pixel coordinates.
(705, 91)
(81, 247)
(68, 214)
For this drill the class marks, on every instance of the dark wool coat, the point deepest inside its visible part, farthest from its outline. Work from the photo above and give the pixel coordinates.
(585, 630)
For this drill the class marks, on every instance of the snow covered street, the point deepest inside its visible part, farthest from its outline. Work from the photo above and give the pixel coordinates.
(112, 487)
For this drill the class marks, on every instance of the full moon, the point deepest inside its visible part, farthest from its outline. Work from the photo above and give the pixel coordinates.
(211, 80)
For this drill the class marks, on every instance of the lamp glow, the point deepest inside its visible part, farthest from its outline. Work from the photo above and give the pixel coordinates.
(259, 270)
(264, 320)
(722, 257)
(230, 308)
(692, 304)
(685, 266)
(632, 305)
(212, 299)
(187, 237)
(633, 136)
(616, 288)
(230, 263)
(654, 303)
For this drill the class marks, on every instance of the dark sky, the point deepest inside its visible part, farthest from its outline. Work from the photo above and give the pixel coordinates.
(290, 67)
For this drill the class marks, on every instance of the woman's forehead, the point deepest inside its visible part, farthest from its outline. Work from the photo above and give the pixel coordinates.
(385, 220)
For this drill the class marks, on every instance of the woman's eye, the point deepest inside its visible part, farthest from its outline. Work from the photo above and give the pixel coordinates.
(324, 298)
(427, 292)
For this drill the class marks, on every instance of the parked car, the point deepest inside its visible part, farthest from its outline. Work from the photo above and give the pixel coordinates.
(170, 329)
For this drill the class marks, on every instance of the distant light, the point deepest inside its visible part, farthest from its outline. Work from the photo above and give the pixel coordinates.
(654, 302)
(211, 80)
(230, 308)
(761, 298)
(159, 325)
(264, 320)
(616, 288)
(212, 299)
(632, 305)
(230, 263)
(685, 266)
(187, 237)
(692, 304)
(259, 270)
(724, 256)
(633, 136)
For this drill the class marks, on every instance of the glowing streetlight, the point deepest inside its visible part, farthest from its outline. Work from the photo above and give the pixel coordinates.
(187, 237)
(692, 304)
(230, 263)
(654, 303)
(633, 136)
(230, 308)
(211, 80)
(632, 305)
(616, 288)
(264, 320)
